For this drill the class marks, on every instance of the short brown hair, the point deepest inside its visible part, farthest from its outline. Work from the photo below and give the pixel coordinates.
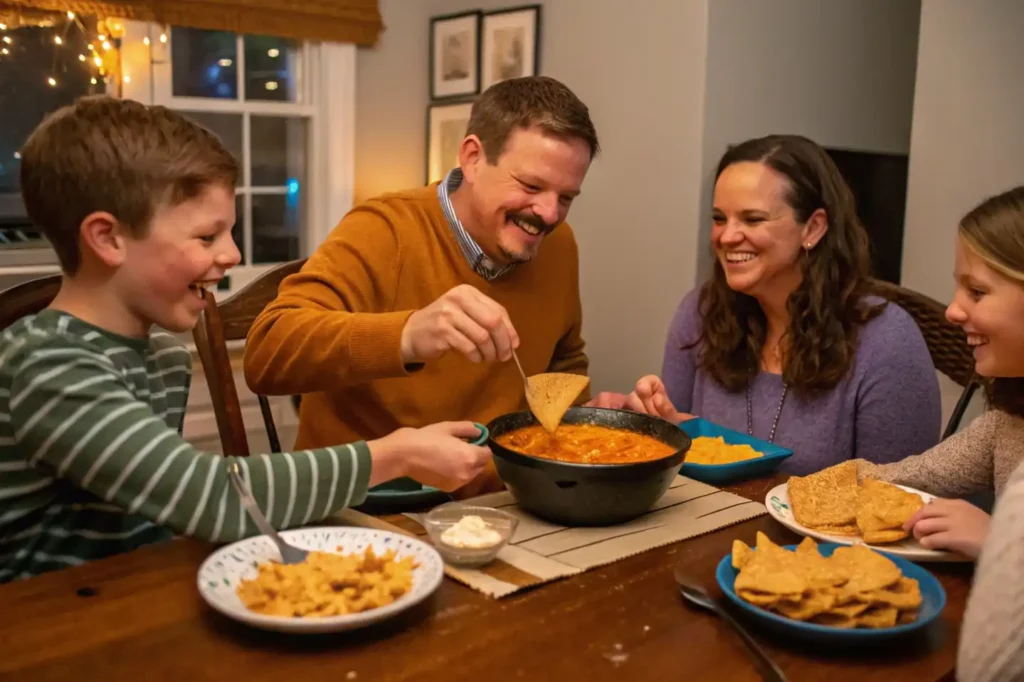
(118, 156)
(994, 230)
(529, 102)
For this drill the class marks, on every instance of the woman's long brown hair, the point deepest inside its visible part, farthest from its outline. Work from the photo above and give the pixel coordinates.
(994, 230)
(829, 306)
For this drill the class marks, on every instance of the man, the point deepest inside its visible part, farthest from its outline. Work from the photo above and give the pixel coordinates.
(409, 312)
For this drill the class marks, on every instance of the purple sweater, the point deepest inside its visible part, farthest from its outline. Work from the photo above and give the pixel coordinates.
(885, 409)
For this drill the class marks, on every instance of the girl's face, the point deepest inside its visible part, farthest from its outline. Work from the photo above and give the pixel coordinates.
(990, 308)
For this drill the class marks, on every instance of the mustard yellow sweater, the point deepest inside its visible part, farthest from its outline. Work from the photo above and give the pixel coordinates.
(334, 330)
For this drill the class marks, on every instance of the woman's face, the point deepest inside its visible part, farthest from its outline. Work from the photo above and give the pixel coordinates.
(756, 235)
(990, 308)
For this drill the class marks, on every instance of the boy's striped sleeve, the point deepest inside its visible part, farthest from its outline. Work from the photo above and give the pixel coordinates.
(76, 418)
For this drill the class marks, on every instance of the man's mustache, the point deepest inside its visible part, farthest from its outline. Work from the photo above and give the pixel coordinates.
(533, 220)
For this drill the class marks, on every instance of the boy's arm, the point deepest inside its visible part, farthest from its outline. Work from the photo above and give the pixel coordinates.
(75, 419)
(332, 323)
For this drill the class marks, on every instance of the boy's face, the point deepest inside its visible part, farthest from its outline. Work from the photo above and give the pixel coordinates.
(187, 246)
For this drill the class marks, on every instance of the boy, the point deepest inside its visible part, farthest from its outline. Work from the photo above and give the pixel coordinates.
(138, 203)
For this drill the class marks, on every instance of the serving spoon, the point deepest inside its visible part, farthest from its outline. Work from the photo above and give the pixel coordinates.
(290, 554)
(695, 594)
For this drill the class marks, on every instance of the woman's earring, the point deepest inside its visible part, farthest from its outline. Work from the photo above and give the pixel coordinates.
(808, 246)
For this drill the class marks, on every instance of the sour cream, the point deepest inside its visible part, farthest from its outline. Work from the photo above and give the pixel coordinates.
(471, 532)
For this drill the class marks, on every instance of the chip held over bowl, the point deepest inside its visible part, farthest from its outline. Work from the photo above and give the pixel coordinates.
(551, 394)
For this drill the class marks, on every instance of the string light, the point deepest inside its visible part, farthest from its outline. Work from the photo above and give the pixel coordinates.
(145, 41)
(163, 37)
(57, 40)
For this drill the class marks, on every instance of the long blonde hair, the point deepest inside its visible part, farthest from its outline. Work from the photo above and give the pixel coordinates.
(994, 231)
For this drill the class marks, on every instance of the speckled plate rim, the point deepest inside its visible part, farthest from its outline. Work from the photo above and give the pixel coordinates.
(219, 574)
(780, 508)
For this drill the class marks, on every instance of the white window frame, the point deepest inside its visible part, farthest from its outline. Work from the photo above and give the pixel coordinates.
(328, 91)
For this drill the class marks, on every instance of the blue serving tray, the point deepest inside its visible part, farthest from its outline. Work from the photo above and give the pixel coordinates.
(933, 601)
(773, 455)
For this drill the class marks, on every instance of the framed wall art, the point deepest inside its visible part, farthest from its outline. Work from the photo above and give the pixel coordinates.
(446, 128)
(455, 55)
(511, 44)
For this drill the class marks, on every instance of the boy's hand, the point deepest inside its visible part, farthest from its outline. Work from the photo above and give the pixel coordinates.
(436, 455)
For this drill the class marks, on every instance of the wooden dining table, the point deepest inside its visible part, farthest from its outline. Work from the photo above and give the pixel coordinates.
(139, 616)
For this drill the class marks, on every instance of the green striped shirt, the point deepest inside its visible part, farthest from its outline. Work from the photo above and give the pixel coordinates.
(92, 461)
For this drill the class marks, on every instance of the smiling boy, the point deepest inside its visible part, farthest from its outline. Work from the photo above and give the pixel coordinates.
(138, 203)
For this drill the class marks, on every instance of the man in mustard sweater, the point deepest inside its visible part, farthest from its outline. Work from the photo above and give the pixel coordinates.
(408, 313)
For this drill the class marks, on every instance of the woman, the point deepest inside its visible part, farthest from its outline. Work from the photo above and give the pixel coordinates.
(784, 342)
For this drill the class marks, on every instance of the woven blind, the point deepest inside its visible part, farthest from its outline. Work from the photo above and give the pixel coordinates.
(344, 21)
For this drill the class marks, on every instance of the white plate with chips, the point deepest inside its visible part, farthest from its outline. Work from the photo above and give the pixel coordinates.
(780, 508)
(222, 572)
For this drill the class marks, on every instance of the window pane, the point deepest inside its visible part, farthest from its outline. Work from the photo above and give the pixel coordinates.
(29, 57)
(228, 127)
(273, 69)
(275, 226)
(238, 231)
(204, 63)
(278, 150)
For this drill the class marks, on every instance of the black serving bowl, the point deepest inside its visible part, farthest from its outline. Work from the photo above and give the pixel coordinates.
(573, 494)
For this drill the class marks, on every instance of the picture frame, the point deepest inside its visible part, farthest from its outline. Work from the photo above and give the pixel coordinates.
(446, 128)
(510, 44)
(455, 55)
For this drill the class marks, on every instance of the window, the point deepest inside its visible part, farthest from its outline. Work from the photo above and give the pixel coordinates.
(269, 100)
(42, 68)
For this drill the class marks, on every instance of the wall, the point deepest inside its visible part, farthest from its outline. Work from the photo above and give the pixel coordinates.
(840, 72)
(968, 131)
(641, 71)
(967, 141)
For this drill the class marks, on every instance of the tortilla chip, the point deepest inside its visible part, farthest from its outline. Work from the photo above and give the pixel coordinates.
(882, 509)
(878, 617)
(551, 394)
(741, 554)
(883, 537)
(868, 570)
(826, 498)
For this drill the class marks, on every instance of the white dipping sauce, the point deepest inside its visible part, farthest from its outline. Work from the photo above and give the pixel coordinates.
(471, 532)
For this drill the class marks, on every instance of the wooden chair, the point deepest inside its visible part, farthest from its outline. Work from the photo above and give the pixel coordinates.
(946, 342)
(230, 320)
(27, 298)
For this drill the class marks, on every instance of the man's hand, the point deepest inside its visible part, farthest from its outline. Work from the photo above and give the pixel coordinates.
(463, 320)
(649, 397)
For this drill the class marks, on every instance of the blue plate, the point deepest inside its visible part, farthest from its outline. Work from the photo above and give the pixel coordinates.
(772, 455)
(406, 493)
(933, 600)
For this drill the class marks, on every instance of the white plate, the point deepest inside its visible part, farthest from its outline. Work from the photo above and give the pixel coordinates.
(223, 570)
(777, 502)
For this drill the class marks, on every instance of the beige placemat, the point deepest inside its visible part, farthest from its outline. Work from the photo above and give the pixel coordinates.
(541, 552)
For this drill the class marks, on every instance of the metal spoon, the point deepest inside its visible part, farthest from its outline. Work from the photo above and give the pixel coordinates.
(289, 553)
(696, 594)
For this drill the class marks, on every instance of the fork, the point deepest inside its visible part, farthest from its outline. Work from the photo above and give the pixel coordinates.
(290, 554)
(696, 594)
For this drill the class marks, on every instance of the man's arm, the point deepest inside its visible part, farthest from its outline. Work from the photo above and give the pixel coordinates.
(75, 419)
(333, 322)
